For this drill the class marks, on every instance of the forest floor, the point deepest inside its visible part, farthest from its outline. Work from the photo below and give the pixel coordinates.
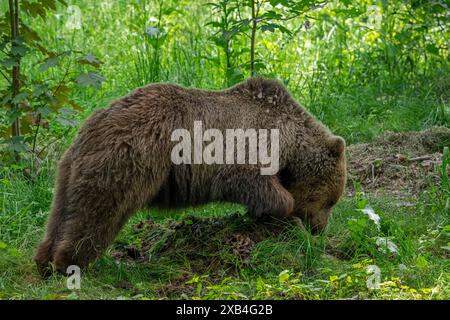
(389, 237)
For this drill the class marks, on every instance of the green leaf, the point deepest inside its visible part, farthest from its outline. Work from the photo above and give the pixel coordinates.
(169, 11)
(20, 97)
(40, 89)
(67, 112)
(44, 111)
(234, 75)
(6, 98)
(14, 252)
(215, 24)
(48, 4)
(91, 60)
(91, 78)
(275, 2)
(39, 8)
(66, 122)
(75, 105)
(49, 63)
(15, 144)
(271, 15)
(3, 42)
(13, 114)
(226, 35)
(268, 27)
(19, 50)
(53, 61)
(9, 62)
(219, 41)
(421, 262)
(31, 36)
(33, 9)
(431, 48)
(271, 27)
(283, 276)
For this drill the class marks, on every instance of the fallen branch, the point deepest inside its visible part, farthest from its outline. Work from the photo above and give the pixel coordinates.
(421, 158)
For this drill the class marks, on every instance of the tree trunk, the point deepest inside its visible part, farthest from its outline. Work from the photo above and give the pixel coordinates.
(252, 39)
(14, 16)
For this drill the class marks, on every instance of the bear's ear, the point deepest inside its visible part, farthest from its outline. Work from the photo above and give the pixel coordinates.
(336, 145)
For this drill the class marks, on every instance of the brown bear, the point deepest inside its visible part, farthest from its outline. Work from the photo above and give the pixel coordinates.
(121, 161)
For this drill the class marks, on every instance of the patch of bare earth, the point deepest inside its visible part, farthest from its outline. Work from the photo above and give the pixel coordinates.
(399, 165)
(216, 246)
(206, 240)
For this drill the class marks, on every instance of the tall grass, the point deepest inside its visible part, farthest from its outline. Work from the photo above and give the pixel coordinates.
(360, 81)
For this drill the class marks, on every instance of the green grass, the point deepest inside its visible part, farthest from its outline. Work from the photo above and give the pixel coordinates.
(286, 263)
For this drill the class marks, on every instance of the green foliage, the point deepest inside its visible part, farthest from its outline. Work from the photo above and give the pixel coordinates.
(445, 179)
(36, 98)
(240, 19)
(148, 56)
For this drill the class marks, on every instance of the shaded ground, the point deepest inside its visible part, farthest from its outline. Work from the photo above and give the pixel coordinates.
(209, 243)
(217, 246)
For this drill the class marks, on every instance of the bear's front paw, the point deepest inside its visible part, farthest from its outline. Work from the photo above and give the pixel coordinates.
(280, 205)
(283, 205)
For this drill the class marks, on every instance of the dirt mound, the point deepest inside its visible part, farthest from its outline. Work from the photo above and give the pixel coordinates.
(214, 246)
(398, 164)
(210, 243)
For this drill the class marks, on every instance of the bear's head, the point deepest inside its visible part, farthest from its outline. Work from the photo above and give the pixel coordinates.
(317, 191)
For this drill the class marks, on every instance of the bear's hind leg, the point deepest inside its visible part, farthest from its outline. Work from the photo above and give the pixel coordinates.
(99, 203)
(96, 221)
(45, 250)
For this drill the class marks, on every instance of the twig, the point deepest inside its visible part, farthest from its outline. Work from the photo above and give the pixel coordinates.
(421, 158)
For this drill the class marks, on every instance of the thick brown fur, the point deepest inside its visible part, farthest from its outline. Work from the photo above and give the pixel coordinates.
(120, 162)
